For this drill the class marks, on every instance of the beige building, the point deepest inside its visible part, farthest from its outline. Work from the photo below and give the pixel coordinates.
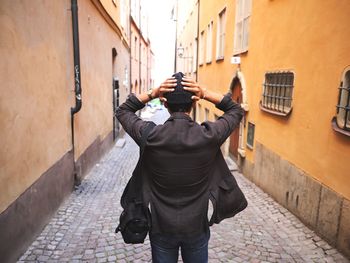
(140, 48)
(287, 63)
(57, 99)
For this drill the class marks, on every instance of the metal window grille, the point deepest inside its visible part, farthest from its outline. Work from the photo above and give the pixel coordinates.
(277, 93)
(343, 106)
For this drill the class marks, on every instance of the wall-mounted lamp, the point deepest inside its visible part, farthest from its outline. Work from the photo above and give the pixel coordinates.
(180, 52)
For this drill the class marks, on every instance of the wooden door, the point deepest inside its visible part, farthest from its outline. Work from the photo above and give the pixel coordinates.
(234, 137)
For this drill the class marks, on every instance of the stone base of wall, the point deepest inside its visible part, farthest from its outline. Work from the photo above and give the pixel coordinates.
(25, 218)
(91, 156)
(316, 205)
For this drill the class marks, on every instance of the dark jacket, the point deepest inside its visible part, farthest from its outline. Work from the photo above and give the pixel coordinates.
(181, 161)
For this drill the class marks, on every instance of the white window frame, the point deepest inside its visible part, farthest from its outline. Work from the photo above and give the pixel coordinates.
(191, 59)
(206, 114)
(221, 35)
(201, 49)
(242, 24)
(209, 46)
(195, 55)
(123, 16)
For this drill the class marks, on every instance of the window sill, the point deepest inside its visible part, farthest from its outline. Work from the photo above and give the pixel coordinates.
(241, 152)
(283, 114)
(337, 129)
(240, 52)
(219, 59)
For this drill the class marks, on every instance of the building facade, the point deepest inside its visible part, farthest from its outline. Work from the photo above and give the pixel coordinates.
(287, 63)
(141, 59)
(60, 82)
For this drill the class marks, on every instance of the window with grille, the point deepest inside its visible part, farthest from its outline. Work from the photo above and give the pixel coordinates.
(221, 29)
(277, 93)
(341, 122)
(243, 13)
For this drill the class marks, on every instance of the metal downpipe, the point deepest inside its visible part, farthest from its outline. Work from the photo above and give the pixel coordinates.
(77, 79)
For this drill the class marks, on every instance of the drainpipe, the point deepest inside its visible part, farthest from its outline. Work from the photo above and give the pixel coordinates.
(77, 82)
(176, 21)
(197, 51)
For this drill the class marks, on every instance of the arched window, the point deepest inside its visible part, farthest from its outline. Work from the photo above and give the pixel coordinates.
(341, 122)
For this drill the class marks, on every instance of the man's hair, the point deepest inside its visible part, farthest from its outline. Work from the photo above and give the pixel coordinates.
(179, 100)
(185, 107)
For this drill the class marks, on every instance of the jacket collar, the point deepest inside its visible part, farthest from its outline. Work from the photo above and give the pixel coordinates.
(179, 115)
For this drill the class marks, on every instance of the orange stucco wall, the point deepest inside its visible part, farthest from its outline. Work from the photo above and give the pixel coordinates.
(36, 82)
(97, 37)
(313, 42)
(312, 39)
(37, 86)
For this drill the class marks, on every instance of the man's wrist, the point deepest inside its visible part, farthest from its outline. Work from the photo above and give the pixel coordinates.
(204, 94)
(150, 94)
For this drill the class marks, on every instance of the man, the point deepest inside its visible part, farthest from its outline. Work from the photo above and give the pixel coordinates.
(180, 162)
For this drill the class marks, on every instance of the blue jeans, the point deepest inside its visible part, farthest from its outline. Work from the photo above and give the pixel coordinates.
(165, 249)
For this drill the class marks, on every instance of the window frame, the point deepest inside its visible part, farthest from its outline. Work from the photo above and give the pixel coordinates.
(272, 93)
(201, 49)
(242, 26)
(209, 43)
(221, 35)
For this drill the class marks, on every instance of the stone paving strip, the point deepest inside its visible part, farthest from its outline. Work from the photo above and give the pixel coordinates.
(83, 228)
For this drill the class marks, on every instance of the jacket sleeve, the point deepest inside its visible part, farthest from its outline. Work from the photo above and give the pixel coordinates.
(225, 124)
(131, 123)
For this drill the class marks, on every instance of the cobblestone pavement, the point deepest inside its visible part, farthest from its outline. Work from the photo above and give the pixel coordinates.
(83, 228)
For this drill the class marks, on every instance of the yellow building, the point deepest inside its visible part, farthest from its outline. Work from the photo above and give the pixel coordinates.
(287, 63)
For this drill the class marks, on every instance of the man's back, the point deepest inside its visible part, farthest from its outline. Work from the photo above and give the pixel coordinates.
(178, 162)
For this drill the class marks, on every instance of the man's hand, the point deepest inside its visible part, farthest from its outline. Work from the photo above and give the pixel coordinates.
(200, 92)
(192, 86)
(167, 86)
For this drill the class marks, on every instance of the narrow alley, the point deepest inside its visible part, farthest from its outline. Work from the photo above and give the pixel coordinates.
(83, 228)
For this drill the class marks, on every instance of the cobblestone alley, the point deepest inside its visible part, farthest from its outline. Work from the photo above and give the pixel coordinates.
(83, 228)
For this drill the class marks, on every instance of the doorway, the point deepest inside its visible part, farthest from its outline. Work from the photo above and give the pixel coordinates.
(236, 89)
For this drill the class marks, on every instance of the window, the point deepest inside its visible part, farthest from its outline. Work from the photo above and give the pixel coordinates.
(187, 60)
(341, 122)
(206, 116)
(191, 59)
(277, 93)
(201, 49)
(199, 113)
(220, 38)
(123, 16)
(135, 47)
(250, 135)
(195, 55)
(209, 42)
(243, 12)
